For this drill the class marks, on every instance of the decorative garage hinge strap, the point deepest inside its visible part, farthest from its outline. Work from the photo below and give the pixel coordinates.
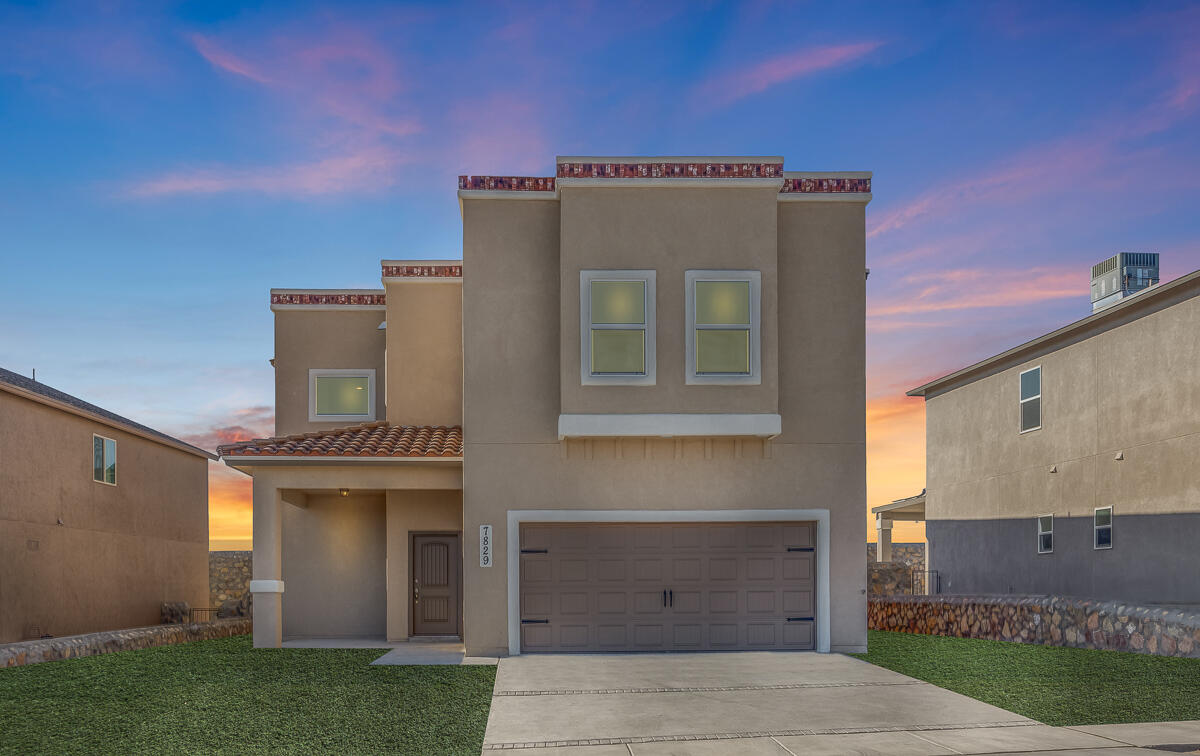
(799, 619)
(535, 622)
(800, 548)
(535, 551)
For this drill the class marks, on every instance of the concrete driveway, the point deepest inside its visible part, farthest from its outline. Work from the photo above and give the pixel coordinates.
(775, 703)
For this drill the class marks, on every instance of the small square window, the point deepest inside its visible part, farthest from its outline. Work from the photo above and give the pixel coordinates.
(1102, 527)
(1045, 525)
(104, 460)
(616, 317)
(338, 395)
(723, 326)
(1031, 399)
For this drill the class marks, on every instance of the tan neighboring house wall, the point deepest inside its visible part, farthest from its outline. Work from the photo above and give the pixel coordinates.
(1120, 428)
(80, 556)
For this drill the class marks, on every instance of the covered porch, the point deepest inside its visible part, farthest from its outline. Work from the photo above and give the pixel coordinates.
(911, 509)
(357, 535)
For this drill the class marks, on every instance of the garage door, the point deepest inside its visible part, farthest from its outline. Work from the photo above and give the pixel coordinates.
(667, 586)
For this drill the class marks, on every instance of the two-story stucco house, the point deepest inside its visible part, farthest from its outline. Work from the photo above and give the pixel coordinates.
(102, 519)
(1068, 465)
(630, 418)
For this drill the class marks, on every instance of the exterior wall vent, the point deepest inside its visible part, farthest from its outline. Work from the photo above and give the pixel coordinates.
(1122, 275)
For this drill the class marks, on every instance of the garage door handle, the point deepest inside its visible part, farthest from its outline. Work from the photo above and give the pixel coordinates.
(664, 596)
(672, 594)
(799, 619)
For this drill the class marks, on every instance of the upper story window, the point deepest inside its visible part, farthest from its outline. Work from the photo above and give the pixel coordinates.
(341, 395)
(1045, 534)
(723, 338)
(1102, 528)
(617, 334)
(104, 460)
(1031, 399)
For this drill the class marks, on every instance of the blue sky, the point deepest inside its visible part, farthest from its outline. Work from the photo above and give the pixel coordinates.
(163, 165)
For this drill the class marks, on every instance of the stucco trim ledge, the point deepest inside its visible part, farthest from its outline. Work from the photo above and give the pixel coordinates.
(266, 586)
(667, 425)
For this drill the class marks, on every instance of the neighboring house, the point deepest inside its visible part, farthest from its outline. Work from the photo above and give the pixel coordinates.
(101, 519)
(1069, 465)
(631, 418)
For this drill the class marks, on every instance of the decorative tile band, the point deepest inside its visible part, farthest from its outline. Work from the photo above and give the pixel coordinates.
(365, 300)
(422, 271)
(670, 170)
(507, 183)
(826, 185)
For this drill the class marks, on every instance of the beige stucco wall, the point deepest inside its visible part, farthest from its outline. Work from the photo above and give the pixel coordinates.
(668, 230)
(424, 352)
(1132, 389)
(333, 567)
(306, 339)
(411, 512)
(513, 380)
(120, 550)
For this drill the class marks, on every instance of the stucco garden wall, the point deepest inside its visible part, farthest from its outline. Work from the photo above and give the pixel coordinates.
(228, 575)
(1045, 620)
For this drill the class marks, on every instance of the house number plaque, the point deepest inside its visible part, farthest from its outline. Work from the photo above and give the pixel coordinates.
(485, 545)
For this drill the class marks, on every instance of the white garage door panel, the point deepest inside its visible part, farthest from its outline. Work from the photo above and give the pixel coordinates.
(656, 587)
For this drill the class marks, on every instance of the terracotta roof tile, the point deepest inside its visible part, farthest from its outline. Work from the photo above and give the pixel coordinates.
(370, 440)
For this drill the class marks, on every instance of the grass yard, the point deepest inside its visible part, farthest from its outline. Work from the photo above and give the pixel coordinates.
(1058, 686)
(222, 696)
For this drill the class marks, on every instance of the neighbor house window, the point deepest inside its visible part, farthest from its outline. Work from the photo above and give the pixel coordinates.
(1102, 527)
(617, 333)
(341, 395)
(1045, 525)
(723, 326)
(1031, 399)
(104, 460)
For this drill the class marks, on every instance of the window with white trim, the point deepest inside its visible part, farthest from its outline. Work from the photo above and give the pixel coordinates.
(1031, 399)
(341, 395)
(1102, 528)
(617, 327)
(104, 460)
(723, 339)
(1045, 526)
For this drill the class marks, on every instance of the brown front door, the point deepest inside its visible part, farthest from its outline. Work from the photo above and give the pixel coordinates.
(436, 585)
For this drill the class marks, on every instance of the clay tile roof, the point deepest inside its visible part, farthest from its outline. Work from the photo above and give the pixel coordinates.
(370, 440)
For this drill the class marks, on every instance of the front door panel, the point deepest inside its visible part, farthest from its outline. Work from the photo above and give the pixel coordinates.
(435, 594)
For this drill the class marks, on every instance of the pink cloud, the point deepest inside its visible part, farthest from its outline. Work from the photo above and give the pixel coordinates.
(729, 87)
(968, 289)
(365, 170)
(240, 425)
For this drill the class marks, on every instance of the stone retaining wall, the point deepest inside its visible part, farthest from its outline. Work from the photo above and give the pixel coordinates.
(889, 579)
(91, 644)
(1045, 620)
(912, 554)
(228, 575)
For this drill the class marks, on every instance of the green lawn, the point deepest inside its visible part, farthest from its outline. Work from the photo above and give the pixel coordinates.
(222, 696)
(1058, 686)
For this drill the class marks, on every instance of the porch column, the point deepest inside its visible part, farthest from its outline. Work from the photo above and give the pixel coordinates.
(267, 583)
(883, 545)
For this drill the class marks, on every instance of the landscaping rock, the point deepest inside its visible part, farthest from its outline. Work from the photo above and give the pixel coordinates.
(175, 612)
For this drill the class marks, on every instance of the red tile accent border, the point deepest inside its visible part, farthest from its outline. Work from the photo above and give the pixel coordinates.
(826, 186)
(422, 271)
(507, 183)
(365, 300)
(670, 170)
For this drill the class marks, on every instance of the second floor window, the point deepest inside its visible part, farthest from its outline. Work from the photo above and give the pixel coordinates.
(723, 326)
(104, 460)
(339, 395)
(617, 337)
(1031, 399)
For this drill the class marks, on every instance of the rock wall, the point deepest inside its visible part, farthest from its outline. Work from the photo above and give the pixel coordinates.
(91, 644)
(1045, 620)
(228, 575)
(889, 579)
(912, 554)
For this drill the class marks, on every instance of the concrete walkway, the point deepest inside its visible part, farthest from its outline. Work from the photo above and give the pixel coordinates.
(773, 703)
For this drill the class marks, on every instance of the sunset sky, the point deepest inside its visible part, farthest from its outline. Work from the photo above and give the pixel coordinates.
(163, 165)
